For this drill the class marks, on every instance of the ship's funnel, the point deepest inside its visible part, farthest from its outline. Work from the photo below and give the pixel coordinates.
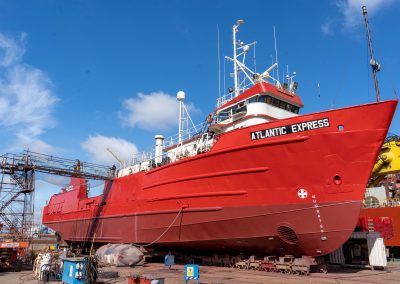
(159, 149)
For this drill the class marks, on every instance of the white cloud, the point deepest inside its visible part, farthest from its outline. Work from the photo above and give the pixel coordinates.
(26, 97)
(97, 146)
(31, 143)
(10, 50)
(352, 13)
(155, 111)
(327, 29)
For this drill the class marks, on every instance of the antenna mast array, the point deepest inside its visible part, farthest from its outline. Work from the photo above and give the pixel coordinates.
(243, 76)
(376, 67)
(184, 117)
(235, 30)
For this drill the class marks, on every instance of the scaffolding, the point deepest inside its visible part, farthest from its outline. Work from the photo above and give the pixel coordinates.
(17, 185)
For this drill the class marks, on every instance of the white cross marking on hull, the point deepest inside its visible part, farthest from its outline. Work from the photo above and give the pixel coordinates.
(302, 193)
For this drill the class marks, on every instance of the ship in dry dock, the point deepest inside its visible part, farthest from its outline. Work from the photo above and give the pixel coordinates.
(256, 177)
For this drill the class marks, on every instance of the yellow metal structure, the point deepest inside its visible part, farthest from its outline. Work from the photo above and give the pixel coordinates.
(388, 161)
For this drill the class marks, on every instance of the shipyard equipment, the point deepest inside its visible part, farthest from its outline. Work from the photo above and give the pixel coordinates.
(79, 270)
(10, 255)
(363, 249)
(388, 161)
(381, 208)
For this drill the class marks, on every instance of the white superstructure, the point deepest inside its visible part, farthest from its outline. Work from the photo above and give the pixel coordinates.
(231, 113)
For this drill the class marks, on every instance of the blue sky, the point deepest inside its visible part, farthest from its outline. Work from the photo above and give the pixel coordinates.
(77, 77)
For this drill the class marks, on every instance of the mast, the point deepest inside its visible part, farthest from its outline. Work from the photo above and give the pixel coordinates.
(376, 67)
(235, 74)
(243, 76)
(184, 118)
(276, 57)
(180, 97)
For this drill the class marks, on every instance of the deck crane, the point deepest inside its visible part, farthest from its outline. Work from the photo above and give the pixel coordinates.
(116, 157)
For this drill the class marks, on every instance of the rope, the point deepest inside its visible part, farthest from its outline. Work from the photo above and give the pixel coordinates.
(166, 230)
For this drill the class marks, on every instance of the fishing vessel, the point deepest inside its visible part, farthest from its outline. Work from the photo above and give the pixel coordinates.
(256, 177)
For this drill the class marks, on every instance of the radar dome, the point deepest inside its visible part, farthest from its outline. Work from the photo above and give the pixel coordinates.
(180, 96)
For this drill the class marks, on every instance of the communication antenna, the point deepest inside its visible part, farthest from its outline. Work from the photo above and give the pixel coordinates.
(235, 74)
(276, 56)
(376, 67)
(224, 77)
(254, 58)
(272, 63)
(219, 64)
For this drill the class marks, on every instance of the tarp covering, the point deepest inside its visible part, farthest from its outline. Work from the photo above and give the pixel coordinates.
(120, 255)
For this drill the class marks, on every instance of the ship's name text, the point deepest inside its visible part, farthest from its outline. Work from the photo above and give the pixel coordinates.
(289, 129)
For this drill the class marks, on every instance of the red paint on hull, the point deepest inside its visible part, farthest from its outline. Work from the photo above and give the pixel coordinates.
(239, 193)
(244, 229)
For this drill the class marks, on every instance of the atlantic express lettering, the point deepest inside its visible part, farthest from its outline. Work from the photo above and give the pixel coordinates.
(288, 129)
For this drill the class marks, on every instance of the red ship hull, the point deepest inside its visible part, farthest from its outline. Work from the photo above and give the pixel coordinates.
(297, 193)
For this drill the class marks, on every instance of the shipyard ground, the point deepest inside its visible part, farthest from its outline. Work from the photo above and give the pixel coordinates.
(220, 275)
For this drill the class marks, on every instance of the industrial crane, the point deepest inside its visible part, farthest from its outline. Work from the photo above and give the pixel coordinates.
(388, 161)
(381, 208)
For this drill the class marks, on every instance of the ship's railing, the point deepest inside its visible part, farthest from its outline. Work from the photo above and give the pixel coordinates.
(224, 99)
(147, 160)
(392, 202)
(186, 135)
(229, 96)
(11, 163)
(69, 187)
(139, 158)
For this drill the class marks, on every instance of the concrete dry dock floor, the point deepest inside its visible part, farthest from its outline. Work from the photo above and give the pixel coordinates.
(216, 275)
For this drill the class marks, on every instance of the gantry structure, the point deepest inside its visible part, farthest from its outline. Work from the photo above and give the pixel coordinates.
(17, 185)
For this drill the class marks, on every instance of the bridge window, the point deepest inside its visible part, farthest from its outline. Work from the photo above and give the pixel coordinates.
(274, 102)
(282, 105)
(225, 114)
(242, 106)
(253, 99)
